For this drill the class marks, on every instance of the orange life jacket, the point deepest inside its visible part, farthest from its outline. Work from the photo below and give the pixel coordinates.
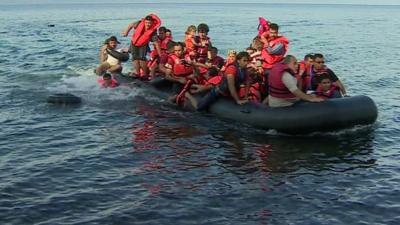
(277, 88)
(141, 36)
(270, 60)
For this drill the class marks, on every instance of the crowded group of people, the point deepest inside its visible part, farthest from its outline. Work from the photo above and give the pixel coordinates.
(261, 73)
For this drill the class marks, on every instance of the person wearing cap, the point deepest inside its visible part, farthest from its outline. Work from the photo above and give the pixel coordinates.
(108, 62)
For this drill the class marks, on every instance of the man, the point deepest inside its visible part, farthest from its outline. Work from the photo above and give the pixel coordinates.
(145, 32)
(319, 68)
(275, 47)
(107, 62)
(283, 90)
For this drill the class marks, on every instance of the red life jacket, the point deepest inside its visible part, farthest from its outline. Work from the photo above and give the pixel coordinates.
(270, 60)
(141, 36)
(179, 68)
(277, 88)
(202, 50)
(112, 84)
(240, 77)
(327, 94)
(311, 75)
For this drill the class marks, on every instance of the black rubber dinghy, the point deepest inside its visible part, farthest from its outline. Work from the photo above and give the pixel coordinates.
(63, 98)
(303, 117)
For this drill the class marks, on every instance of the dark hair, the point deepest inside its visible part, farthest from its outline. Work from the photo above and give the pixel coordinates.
(318, 55)
(203, 27)
(323, 77)
(214, 49)
(309, 56)
(112, 38)
(288, 59)
(274, 26)
(170, 44)
(213, 71)
(241, 55)
(168, 30)
(164, 29)
(149, 18)
(107, 75)
(250, 48)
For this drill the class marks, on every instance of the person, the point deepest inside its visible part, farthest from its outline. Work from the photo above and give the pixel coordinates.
(231, 58)
(107, 81)
(145, 32)
(304, 66)
(190, 43)
(274, 48)
(202, 43)
(215, 60)
(163, 66)
(234, 75)
(107, 62)
(317, 69)
(326, 89)
(283, 89)
(163, 40)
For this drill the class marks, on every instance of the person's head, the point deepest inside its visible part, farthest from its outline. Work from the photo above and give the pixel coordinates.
(308, 59)
(168, 33)
(170, 46)
(231, 57)
(214, 52)
(191, 30)
(324, 82)
(112, 42)
(161, 32)
(273, 30)
(257, 44)
(178, 49)
(242, 58)
(148, 22)
(203, 30)
(250, 50)
(212, 71)
(107, 79)
(319, 61)
(291, 62)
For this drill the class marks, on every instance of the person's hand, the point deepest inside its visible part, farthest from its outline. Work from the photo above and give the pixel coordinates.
(241, 102)
(316, 99)
(124, 33)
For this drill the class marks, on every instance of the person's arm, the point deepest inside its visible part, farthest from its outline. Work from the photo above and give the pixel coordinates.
(129, 28)
(103, 53)
(232, 90)
(341, 87)
(291, 83)
(277, 49)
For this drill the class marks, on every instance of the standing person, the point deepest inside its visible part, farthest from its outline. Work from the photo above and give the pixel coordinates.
(283, 85)
(108, 62)
(145, 32)
(275, 47)
(202, 43)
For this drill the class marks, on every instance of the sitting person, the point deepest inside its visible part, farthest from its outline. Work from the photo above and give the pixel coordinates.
(326, 89)
(283, 90)
(107, 62)
(318, 68)
(234, 75)
(107, 81)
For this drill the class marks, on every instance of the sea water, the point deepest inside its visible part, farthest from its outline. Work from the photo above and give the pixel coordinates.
(124, 157)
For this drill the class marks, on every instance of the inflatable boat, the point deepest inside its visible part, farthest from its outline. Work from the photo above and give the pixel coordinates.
(303, 117)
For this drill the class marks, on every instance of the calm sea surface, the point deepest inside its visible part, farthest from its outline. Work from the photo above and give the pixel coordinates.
(122, 157)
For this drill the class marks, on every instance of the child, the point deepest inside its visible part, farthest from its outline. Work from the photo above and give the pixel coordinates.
(190, 43)
(326, 89)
